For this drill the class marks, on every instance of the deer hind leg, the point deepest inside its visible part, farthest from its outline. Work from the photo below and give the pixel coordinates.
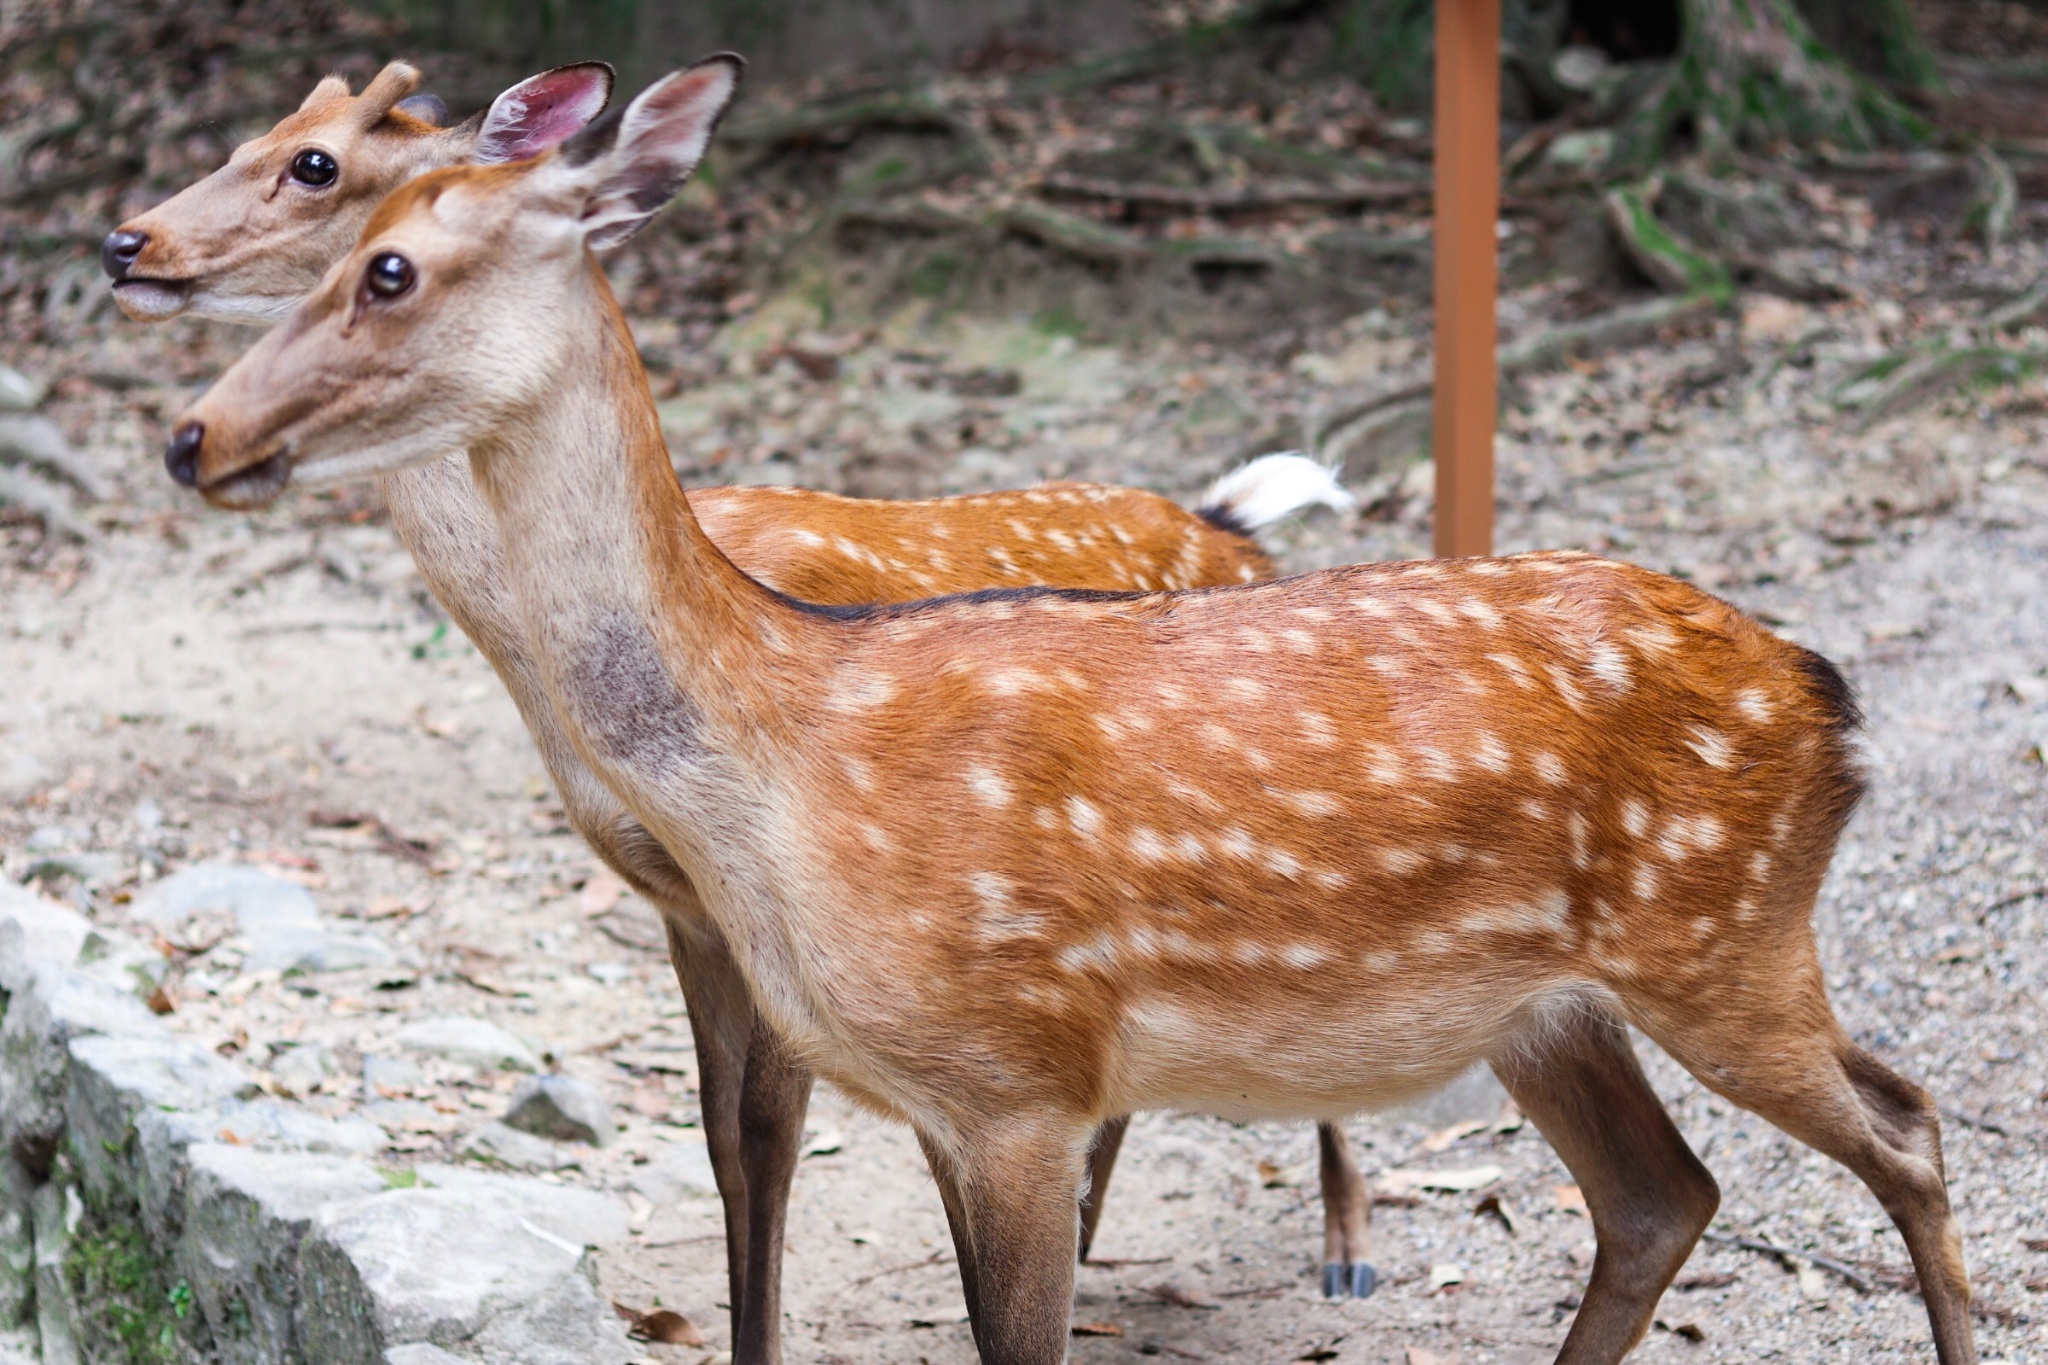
(1347, 1211)
(1787, 1060)
(776, 1095)
(1648, 1195)
(1109, 1139)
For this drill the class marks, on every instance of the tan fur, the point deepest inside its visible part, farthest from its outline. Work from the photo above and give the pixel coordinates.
(1012, 866)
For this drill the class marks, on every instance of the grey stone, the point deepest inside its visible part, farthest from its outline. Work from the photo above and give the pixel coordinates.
(17, 1242)
(135, 1104)
(421, 1353)
(499, 1145)
(448, 1268)
(279, 920)
(245, 1216)
(1476, 1095)
(35, 928)
(586, 1217)
(22, 774)
(57, 1210)
(390, 1077)
(49, 1006)
(562, 1108)
(269, 1125)
(18, 392)
(468, 1041)
(91, 869)
(676, 1172)
(301, 1068)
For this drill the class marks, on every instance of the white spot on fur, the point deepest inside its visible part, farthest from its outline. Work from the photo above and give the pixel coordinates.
(1479, 612)
(989, 785)
(1610, 666)
(1083, 815)
(1303, 956)
(1236, 843)
(857, 690)
(1645, 883)
(1535, 810)
(1755, 705)
(1712, 747)
(1010, 682)
(1245, 689)
(1549, 768)
(1490, 754)
(1759, 866)
(1147, 846)
(1401, 861)
(1316, 805)
(857, 772)
(1514, 668)
(1281, 863)
(1437, 764)
(1099, 951)
(1384, 766)
(1575, 826)
(992, 889)
(1316, 728)
(803, 537)
(1635, 817)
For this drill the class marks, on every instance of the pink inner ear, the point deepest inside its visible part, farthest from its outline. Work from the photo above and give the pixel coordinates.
(543, 110)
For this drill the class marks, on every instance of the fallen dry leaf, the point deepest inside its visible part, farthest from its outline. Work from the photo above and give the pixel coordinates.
(662, 1326)
(1717, 1279)
(1097, 1329)
(1444, 1137)
(1689, 1330)
(163, 1000)
(1167, 1292)
(1277, 1177)
(1499, 1208)
(1570, 1199)
(600, 893)
(1460, 1180)
(1418, 1356)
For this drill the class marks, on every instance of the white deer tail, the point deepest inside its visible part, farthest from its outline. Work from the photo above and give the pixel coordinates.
(1271, 489)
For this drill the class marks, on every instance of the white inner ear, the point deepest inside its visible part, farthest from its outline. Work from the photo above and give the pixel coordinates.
(662, 137)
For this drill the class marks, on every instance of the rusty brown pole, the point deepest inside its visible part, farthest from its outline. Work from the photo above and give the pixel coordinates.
(1467, 208)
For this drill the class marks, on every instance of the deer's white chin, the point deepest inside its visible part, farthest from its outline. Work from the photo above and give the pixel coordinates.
(152, 300)
(324, 469)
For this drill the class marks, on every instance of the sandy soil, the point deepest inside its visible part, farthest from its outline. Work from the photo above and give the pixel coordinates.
(280, 690)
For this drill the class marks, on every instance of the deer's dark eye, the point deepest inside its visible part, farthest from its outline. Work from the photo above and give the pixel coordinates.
(390, 275)
(314, 168)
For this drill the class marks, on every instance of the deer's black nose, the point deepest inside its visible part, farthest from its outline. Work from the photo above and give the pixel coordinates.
(181, 456)
(118, 253)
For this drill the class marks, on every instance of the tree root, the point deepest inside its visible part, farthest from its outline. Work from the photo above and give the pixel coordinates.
(1905, 380)
(1361, 420)
(44, 501)
(1249, 199)
(26, 438)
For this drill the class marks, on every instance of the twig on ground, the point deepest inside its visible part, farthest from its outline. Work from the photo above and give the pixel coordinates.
(1855, 1278)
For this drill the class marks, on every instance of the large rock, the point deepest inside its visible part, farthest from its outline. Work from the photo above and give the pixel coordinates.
(677, 1171)
(453, 1269)
(468, 1041)
(562, 1108)
(585, 1217)
(498, 1145)
(57, 1210)
(17, 1243)
(48, 1006)
(136, 1104)
(34, 928)
(271, 1126)
(277, 919)
(245, 1216)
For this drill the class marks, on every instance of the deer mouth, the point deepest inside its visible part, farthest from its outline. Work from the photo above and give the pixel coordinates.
(147, 300)
(251, 487)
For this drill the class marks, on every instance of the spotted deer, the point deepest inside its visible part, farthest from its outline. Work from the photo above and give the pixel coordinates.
(1005, 864)
(252, 239)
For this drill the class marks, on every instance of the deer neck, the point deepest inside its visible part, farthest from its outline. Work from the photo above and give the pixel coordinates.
(671, 671)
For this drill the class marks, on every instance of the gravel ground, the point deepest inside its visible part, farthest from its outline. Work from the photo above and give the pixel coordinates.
(278, 690)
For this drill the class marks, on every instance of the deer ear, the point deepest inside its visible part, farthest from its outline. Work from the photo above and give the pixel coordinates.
(542, 110)
(638, 160)
(330, 88)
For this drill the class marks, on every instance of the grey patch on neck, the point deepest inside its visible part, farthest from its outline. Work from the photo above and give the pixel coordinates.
(625, 699)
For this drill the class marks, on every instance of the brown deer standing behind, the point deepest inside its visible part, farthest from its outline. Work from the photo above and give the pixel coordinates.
(1010, 863)
(252, 239)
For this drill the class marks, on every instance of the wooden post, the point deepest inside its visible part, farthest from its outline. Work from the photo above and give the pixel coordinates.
(1467, 208)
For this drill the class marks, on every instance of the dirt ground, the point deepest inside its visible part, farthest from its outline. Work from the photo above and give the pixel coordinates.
(279, 689)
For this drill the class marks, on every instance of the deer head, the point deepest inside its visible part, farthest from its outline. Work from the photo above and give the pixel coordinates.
(250, 240)
(400, 377)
